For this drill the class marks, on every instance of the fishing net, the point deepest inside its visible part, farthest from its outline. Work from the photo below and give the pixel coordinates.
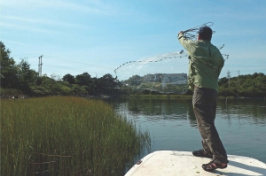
(163, 74)
(166, 73)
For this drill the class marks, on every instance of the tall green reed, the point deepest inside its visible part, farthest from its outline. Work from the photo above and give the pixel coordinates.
(66, 136)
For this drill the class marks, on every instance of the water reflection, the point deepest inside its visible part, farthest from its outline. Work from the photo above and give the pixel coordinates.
(244, 111)
(250, 111)
(172, 124)
(156, 110)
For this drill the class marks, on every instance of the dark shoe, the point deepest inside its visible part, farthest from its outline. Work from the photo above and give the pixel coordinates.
(211, 166)
(201, 153)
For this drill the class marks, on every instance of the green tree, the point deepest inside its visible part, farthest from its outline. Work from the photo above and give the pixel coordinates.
(84, 79)
(25, 74)
(79, 90)
(47, 86)
(107, 85)
(69, 78)
(8, 68)
(134, 80)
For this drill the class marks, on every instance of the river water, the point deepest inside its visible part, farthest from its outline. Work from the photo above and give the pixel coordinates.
(171, 124)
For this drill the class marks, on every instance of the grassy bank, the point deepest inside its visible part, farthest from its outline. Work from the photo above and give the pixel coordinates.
(160, 96)
(181, 97)
(66, 136)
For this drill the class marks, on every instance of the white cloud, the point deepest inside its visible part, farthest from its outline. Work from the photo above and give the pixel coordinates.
(35, 16)
(28, 28)
(34, 20)
(95, 7)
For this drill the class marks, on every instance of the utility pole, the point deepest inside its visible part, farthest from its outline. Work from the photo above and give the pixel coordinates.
(228, 76)
(238, 77)
(40, 65)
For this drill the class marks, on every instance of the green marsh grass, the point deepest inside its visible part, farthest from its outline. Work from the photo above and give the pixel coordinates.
(66, 136)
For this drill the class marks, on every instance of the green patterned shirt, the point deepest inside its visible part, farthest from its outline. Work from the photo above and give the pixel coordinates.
(205, 63)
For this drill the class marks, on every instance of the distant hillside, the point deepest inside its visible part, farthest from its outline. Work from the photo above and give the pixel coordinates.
(163, 78)
(160, 82)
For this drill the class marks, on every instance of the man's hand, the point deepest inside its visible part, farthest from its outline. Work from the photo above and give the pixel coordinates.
(180, 33)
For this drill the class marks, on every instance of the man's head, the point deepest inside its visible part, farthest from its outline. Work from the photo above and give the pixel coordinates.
(205, 33)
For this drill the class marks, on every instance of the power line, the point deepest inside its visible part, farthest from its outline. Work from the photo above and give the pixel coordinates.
(74, 61)
(57, 65)
(49, 58)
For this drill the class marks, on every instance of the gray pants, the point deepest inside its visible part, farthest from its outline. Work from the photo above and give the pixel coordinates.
(204, 106)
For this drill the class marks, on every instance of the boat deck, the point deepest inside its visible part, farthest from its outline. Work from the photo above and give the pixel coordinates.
(175, 163)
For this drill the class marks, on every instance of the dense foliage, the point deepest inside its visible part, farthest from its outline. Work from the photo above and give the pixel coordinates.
(244, 85)
(19, 79)
(253, 85)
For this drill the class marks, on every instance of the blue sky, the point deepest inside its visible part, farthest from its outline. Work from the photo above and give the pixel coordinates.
(96, 36)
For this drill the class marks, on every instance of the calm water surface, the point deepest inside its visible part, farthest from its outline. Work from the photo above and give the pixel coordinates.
(241, 124)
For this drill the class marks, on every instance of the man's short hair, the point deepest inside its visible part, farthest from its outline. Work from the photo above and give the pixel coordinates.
(205, 33)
